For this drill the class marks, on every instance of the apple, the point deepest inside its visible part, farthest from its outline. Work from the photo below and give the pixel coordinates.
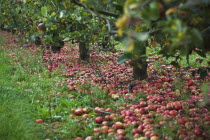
(85, 116)
(89, 138)
(85, 110)
(120, 131)
(154, 138)
(78, 111)
(143, 104)
(99, 119)
(41, 26)
(108, 110)
(143, 110)
(197, 58)
(107, 118)
(72, 96)
(96, 130)
(173, 113)
(39, 121)
(19, 1)
(118, 125)
(78, 138)
(105, 129)
(135, 131)
(197, 131)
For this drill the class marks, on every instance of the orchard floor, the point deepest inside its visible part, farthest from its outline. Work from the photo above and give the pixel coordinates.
(62, 97)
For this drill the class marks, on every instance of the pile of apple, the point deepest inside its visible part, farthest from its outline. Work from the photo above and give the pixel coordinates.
(162, 105)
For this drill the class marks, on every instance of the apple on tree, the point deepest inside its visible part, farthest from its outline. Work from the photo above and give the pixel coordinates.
(19, 1)
(41, 26)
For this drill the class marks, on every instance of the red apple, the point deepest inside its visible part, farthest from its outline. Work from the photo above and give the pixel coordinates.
(96, 130)
(85, 116)
(78, 138)
(19, 1)
(72, 96)
(120, 131)
(89, 138)
(39, 121)
(197, 131)
(99, 119)
(78, 111)
(41, 26)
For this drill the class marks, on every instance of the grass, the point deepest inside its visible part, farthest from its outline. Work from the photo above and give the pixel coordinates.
(29, 92)
(16, 120)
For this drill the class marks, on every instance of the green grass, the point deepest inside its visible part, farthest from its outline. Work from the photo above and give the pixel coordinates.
(29, 92)
(16, 122)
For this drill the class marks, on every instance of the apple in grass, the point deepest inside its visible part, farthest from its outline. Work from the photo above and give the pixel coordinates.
(99, 119)
(72, 96)
(78, 111)
(78, 138)
(89, 138)
(39, 121)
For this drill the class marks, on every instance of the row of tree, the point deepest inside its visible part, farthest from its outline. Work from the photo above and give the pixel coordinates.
(178, 28)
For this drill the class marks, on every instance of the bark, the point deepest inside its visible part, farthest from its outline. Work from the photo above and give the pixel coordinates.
(83, 51)
(140, 70)
(57, 48)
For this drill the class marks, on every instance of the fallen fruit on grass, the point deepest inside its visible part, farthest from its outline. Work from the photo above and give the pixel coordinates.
(89, 138)
(99, 119)
(96, 130)
(78, 111)
(72, 96)
(78, 138)
(85, 116)
(39, 121)
(154, 138)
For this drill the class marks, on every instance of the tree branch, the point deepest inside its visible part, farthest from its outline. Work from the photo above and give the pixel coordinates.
(145, 3)
(154, 31)
(106, 13)
(191, 3)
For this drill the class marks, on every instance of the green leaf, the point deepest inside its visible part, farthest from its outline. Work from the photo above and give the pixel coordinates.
(66, 39)
(143, 36)
(44, 11)
(64, 103)
(124, 58)
(154, 13)
(62, 13)
(79, 18)
(68, 27)
(33, 38)
(197, 36)
(53, 14)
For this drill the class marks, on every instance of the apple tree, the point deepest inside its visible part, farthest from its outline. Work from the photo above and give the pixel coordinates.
(96, 22)
(180, 28)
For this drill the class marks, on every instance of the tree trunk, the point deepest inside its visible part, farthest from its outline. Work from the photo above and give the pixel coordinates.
(56, 47)
(140, 70)
(83, 51)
